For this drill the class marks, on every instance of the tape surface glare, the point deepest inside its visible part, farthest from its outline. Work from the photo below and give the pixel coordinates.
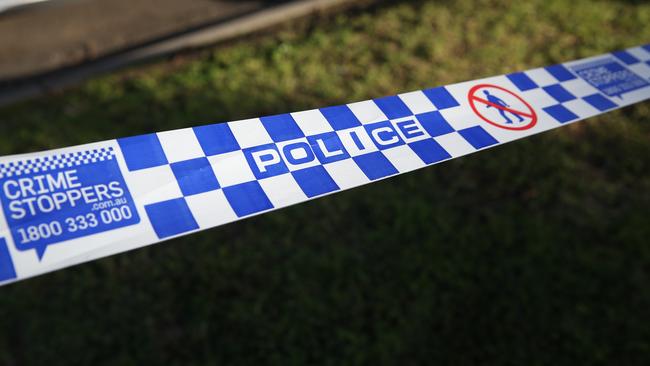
(73, 205)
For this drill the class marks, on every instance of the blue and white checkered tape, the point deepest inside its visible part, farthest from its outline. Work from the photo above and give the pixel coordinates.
(51, 162)
(144, 189)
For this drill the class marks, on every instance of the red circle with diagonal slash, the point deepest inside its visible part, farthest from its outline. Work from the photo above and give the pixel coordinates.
(473, 99)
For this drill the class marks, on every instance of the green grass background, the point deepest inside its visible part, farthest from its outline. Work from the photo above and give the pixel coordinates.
(532, 253)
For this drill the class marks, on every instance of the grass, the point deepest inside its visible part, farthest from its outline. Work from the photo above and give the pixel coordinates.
(534, 253)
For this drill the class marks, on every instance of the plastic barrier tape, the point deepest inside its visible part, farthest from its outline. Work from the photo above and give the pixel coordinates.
(73, 205)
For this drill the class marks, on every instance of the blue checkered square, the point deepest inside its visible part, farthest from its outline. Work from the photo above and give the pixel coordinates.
(282, 127)
(560, 72)
(216, 139)
(297, 153)
(141, 152)
(315, 181)
(560, 113)
(599, 102)
(340, 117)
(393, 107)
(265, 161)
(429, 151)
(477, 137)
(626, 57)
(171, 217)
(522, 81)
(559, 93)
(7, 270)
(410, 128)
(434, 123)
(375, 165)
(247, 198)
(195, 176)
(441, 98)
(328, 147)
(383, 135)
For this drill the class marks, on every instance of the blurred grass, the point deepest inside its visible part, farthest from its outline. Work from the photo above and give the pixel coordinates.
(532, 253)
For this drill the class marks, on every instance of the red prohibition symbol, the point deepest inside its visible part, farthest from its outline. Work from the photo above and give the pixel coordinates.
(524, 118)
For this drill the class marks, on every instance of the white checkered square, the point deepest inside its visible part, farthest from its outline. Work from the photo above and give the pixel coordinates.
(581, 108)
(403, 158)
(180, 145)
(578, 87)
(231, 168)
(250, 132)
(367, 112)
(642, 69)
(210, 209)
(282, 190)
(312, 122)
(153, 185)
(460, 117)
(346, 174)
(454, 144)
(541, 77)
(639, 53)
(417, 102)
(541, 98)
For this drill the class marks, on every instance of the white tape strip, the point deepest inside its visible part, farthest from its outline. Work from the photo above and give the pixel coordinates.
(77, 204)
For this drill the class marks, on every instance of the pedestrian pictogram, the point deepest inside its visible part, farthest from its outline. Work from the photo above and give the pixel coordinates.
(500, 107)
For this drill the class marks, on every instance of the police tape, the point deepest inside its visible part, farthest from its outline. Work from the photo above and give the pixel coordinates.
(73, 205)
